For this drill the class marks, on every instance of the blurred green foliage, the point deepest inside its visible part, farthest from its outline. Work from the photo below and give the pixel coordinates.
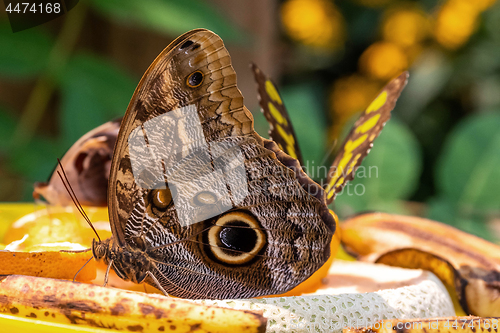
(441, 149)
(91, 89)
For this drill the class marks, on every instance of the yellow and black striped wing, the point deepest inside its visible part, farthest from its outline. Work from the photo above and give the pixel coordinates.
(271, 104)
(360, 139)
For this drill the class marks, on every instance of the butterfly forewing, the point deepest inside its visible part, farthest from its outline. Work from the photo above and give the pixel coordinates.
(165, 87)
(272, 106)
(360, 139)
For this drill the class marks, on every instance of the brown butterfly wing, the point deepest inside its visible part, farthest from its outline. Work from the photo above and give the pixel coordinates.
(360, 139)
(163, 88)
(201, 201)
(86, 164)
(272, 106)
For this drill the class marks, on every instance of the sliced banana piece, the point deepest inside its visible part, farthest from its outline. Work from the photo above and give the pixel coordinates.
(468, 265)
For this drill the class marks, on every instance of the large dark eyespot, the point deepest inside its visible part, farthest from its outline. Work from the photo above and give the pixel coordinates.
(236, 238)
(195, 79)
(161, 198)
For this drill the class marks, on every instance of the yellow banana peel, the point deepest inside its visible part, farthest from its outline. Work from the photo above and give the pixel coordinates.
(468, 265)
(431, 325)
(18, 324)
(86, 306)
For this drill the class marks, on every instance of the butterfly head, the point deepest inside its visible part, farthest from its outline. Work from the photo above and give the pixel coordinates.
(101, 249)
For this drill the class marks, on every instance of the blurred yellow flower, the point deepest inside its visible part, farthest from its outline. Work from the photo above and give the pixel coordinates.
(313, 22)
(383, 60)
(405, 26)
(455, 23)
(413, 52)
(350, 95)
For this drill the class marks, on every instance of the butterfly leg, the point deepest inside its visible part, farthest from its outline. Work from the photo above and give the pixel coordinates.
(106, 276)
(158, 285)
(74, 278)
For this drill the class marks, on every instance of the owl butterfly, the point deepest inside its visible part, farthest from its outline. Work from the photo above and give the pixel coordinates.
(358, 142)
(200, 205)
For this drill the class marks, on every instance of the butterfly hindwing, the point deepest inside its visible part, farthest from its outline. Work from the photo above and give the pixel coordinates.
(272, 106)
(360, 139)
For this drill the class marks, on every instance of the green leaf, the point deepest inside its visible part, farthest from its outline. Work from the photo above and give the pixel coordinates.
(173, 17)
(387, 175)
(304, 105)
(93, 92)
(23, 54)
(468, 174)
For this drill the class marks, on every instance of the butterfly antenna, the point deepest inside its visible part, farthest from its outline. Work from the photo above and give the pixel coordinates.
(325, 158)
(74, 278)
(329, 153)
(69, 189)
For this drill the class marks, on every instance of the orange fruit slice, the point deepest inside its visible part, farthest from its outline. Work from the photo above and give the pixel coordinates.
(53, 242)
(57, 224)
(50, 263)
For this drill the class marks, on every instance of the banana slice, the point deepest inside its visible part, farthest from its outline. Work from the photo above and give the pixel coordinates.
(468, 266)
(416, 294)
(51, 305)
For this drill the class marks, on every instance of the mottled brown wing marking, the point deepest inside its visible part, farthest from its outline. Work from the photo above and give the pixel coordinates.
(360, 139)
(272, 106)
(86, 164)
(162, 89)
(183, 130)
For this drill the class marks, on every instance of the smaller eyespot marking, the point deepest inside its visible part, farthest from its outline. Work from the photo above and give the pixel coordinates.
(195, 79)
(161, 198)
(186, 44)
(205, 198)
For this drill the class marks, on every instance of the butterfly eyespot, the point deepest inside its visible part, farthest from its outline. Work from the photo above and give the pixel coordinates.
(195, 79)
(205, 198)
(236, 238)
(161, 198)
(186, 44)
